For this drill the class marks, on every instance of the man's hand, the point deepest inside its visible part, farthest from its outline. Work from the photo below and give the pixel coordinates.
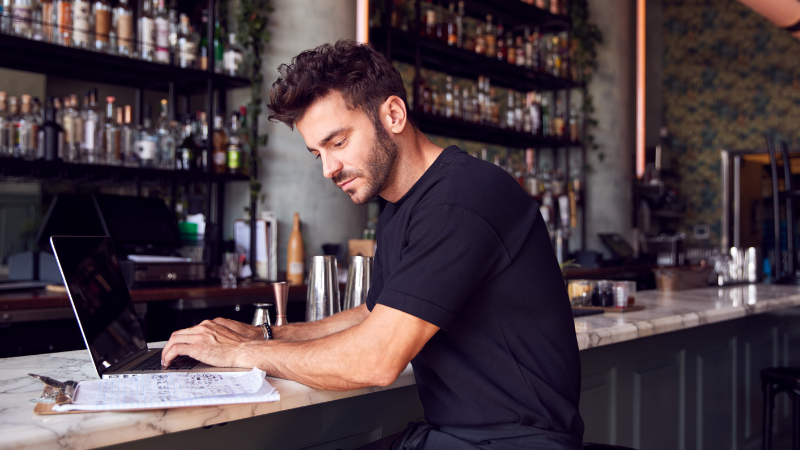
(248, 331)
(209, 342)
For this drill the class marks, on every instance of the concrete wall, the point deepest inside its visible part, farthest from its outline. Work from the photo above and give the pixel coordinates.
(613, 88)
(292, 179)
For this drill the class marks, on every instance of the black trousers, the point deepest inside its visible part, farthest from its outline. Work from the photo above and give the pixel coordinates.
(381, 444)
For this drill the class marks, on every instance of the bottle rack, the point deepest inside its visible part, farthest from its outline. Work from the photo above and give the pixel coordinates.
(85, 64)
(424, 52)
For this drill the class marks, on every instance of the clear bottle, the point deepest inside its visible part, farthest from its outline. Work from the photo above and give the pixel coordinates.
(5, 19)
(519, 48)
(123, 26)
(146, 143)
(4, 125)
(109, 136)
(476, 99)
(37, 24)
(527, 119)
(202, 50)
(82, 24)
(165, 156)
(91, 128)
(500, 43)
(14, 118)
(147, 32)
(452, 26)
(460, 25)
(546, 127)
(458, 112)
(509, 122)
(480, 40)
(102, 25)
(187, 44)
(162, 33)
(127, 139)
(466, 105)
(528, 49)
(172, 14)
(488, 100)
(235, 155)
(490, 35)
(233, 57)
(518, 119)
(34, 120)
(188, 149)
(59, 106)
(448, 97)
(22, 18)
(63, 18)
(203, 141)
(68, 124)
(220, 146)
(531, 180)
(219, 47)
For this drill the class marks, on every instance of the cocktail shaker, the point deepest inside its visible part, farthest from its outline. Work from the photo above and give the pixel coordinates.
(262, 314)
(359, 279)
(281, 289)
(323, 289)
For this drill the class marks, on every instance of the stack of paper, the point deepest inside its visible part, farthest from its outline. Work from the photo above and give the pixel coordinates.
(171, 390)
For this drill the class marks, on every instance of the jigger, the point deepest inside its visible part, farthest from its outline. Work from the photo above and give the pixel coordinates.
(281, 298)
(359, 279)
(262, 314)
(323, 289)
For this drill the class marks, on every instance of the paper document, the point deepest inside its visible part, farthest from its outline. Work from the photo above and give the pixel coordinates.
(171, 390)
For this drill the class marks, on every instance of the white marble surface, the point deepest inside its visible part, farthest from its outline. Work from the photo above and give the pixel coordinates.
(20, 428)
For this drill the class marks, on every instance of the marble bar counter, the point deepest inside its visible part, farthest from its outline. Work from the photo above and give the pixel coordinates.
(307, 418)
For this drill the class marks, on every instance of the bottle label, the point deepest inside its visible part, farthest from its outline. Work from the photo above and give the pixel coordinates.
(296, 268)
(162, 40)
(125, 31)
(88, 135)
(64, 21)
(234, 157)
(47, 18)
(188, 53)
(21, 18)
(231, 62)
(204, 63)
(102, 25)
(147, 36)
(81, 21)
(220, 159)
(146, 149)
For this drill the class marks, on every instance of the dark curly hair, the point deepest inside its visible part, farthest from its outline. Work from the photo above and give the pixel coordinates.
(363, 76)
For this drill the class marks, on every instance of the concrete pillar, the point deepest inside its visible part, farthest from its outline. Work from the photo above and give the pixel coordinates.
(291, 177)
(614, 90)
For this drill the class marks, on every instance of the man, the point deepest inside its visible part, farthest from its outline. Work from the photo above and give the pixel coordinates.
(466, 285)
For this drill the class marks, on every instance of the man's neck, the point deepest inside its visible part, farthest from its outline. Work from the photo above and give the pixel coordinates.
(415, 155)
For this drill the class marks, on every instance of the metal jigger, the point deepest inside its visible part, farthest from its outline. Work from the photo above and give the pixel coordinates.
(262, 314)
(281, 298)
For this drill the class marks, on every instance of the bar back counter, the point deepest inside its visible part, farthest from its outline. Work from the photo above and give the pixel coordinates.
(681, 374)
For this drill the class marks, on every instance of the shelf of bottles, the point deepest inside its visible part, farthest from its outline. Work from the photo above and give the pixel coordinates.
(93, 41)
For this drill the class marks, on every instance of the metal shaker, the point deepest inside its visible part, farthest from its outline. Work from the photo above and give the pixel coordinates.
(281, 289)
(262, 314)
(323, 289)
(359, 279)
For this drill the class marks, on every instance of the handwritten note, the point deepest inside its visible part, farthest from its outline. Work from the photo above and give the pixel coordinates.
(171, 390)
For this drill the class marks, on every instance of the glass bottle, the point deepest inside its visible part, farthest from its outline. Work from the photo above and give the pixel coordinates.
(235, 155)
(202, 140)
(477, 104)
(430, 20)
(555, 66)
(527, 120)
(102, 25)
(457, 111)
(81, 23)
(220, 144)
(127, 139)
(165, 156)
(528, 50)
(519, 46)
(466, 105)
(531, 181)
(555, 7)
(188, 148)
(13, 126)
(460, 25)
(233, 57)
(202, 56)
(22, 17)
(490, 35)
(5, 19)
(110, 134)
(4, 125)
(91, 122)
(448, 97)
(500, 44)
(34, 149)
(452, 26)
(52, 135)
(441, 24)
(123, 25)
(480, 41)
(47, 19)
(162, 33)
(546, 130)
(187, 44)
(488, 98)
(494, 107)
(147, 32)
(518, 111)
(63, 14)
(558, 120)
(509, 122)
(219, 47)
(511, 50)
(146, 143)
(172, 15)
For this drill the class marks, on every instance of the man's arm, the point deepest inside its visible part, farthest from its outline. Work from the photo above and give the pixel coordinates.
(304, 331)
(372, 353)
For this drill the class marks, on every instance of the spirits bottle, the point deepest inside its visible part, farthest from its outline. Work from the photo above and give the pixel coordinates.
(127, 139)
(119, 156)
(147, 32)
(123, 26)
(4, 126)
(573, 124)
(91, 127)
(47, 20)
(480, 40)
(511, 50)
(556, 57)
(500, 43)
(518, 111)
(528, 43)
(460, 25)
(34, 119)
(188, 148)
(488, 98)
(233, 57)
(146, 140)
(235, 155)
(494, 108)
(519, 46)
(37, 26)
(457, 110)
(441, 24)
(81, 23)
(165, 153)
(452, 26)
(295, 258)
(162, 33)
(22, 138)
(219, 47)
(448, 97)
(5, 18)
(22, 16)
(187, 45)
(220, 143)
(63, 31)
(13, 126)
(203, 141)
(546, 130)
(172, 15)
(52, 136)
(102, 25)
(509, 123)
(476, 99)
(558, 120)
(60, 108)
(527, 119)
(109, 132)
(430, 21)
(490, 34)
(202, 51)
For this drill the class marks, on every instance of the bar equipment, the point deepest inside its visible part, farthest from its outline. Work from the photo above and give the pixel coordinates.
(281, 289)
(229, 270)
(323, 289)
(359, 279)
(262, 314)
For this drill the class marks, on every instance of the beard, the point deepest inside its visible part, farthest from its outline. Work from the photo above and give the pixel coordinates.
(379, 167)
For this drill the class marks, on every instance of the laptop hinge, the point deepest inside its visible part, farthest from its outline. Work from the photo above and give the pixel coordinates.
(127, 360)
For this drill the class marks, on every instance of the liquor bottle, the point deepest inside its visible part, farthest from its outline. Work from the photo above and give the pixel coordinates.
(102, 25)
(555, 7)
(172, 15)
(188, 149)
(233, 57)
(219, 142)
(63, 13)
(448, 97)
(187, 45)
(162, 33)
(146, 143)
(488, 98)
(119, 156)
(81, 23)
(480, 40)
(556, 57)
(4, 125)
(47, 20)
(235, 155)
(165, 150)
(546, 130)
(58, 105)
(511, 49)
(430, 20)
(509, 122)
(123, 25)
(91, 126)
(37, 27)
(68, 124)
(22, 16)
(490, 35)
(519, 46)
(528, 44)
(565, 71)
(494, 108)
(500, 43)
(295, 258)
(34, 120)
(466, 104)
(476, 99)
(13, 126)
(518, 111)
(460, 25)
(441, 24)
(436, 101)
(219, 46)
(537, 55)
(52, 136)
(108, 144)
(5, 18)
(457, 111)
(527, 118)
(202, 50)
(543, 4)
(452, 26)
(147, 32)
(127, 139)
(558, 120)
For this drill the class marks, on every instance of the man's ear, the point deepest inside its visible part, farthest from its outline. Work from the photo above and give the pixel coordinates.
(394, 115)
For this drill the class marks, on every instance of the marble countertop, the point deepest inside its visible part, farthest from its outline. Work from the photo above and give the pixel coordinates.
(20, 428)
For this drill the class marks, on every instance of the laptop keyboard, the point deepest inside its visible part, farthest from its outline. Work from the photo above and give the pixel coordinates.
(153, 362)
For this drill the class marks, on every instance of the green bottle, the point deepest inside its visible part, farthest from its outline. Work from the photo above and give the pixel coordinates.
(219, 46)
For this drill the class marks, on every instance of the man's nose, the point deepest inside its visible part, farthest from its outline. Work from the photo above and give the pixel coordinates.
(330, 166)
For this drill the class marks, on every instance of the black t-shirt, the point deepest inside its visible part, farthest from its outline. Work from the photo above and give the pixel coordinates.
(467, 250)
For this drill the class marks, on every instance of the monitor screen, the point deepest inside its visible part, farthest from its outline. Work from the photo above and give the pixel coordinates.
(138, 222)
(100, 298)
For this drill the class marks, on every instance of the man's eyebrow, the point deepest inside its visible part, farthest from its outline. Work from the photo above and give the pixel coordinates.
(330, 136)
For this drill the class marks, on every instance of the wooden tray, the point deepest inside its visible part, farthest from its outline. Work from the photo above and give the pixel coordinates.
(612, 309)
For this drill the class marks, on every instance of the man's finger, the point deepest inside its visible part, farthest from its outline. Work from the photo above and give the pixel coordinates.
(175, 351)
(167, 354)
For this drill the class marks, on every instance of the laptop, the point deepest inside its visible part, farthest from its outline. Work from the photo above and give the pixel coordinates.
(105, 312)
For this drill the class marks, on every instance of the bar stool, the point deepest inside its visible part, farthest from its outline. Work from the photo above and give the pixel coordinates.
(773, 381)
(604, 447)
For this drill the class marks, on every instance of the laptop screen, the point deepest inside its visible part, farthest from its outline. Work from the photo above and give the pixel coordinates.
(100, 298)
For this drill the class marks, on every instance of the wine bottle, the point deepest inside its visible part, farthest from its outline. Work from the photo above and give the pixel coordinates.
(295, 257)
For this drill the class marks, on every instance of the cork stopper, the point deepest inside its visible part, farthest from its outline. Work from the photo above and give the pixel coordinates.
(26, 104)
(13, 105)
(3, 104)
(128, 114)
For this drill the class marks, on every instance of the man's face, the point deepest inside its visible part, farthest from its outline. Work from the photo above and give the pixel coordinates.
(357, 155)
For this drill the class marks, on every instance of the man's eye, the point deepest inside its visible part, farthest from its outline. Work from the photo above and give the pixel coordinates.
(339, 144)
